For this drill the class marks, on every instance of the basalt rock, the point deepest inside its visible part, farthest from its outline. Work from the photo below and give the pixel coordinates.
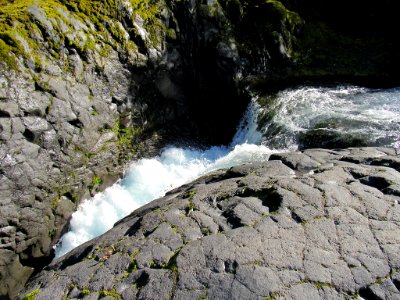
(318, 224)
(70, 116)
(85, 86)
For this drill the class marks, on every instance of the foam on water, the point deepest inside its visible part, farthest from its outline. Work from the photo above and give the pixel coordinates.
(374, 114)
(148, 179)
(353, 109)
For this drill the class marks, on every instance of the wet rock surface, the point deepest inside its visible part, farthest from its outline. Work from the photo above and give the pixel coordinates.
(320, 224)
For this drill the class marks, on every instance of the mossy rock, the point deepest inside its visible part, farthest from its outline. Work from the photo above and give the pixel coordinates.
(40, 30)
(263, 23)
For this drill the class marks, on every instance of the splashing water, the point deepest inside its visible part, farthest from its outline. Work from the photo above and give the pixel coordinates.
(370, 117)
(291, 113)
(148, 179)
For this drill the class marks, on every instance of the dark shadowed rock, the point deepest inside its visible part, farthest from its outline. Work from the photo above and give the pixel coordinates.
(331, 139)
(329, 230)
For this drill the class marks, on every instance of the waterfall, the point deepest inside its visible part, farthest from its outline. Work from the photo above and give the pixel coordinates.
(148, 179)
(280, 124)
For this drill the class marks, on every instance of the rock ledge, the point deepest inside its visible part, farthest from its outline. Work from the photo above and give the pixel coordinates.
(319, 224)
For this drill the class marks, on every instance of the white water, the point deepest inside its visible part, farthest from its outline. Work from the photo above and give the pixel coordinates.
(374, 112)
(148, 179)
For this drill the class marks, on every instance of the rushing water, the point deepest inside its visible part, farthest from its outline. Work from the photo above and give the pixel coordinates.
(285, 122)
(332, 117)
(148, 179)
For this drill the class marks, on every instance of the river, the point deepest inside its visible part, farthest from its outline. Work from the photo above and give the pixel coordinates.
(288, 120)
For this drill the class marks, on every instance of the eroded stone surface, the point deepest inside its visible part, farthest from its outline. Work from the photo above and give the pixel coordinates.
(260, 231)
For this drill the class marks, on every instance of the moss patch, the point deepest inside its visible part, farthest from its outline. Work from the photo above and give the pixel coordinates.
(110, 293)
(31, 295)
(34, 30)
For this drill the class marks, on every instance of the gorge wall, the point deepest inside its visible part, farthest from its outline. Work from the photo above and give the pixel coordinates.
(87, 86)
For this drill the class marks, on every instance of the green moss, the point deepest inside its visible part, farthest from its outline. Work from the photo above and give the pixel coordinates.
(31, 295)
(63, 190)
(95, 183)
(71, 287)
(380, 280)
(255, 263)
(132, 267)
(85, 292)
(134, 253)
(292, 19)
(96, 180)
(17, 25)
(171, 34)
(52, 233)
(133, 264)
(189, 195)
(18, 30)
(126, 139)
(274, 295)
(152, 264)
(171, 264)
(260, 22)
(117, 32)
(6, 55)
(110, 293)
(54, 203)
(90, 43)
(320, 285)
(204, 296)
(89, 155)
(102, 12)
(205, 231)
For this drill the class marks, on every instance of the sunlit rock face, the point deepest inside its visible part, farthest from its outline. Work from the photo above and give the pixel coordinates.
(296, 118)
(318, 223)
(86, 86)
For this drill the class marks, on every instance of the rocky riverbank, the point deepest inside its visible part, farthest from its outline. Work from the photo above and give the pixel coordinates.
(317, 224)
(86, 86)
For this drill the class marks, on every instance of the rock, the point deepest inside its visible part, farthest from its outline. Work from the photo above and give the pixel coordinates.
(251, 232)
(12, 272)
(83, 91)
(298, 161)
(63, 106)
(330, 139)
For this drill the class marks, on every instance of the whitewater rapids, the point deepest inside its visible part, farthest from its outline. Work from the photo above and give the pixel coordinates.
(375, 113)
